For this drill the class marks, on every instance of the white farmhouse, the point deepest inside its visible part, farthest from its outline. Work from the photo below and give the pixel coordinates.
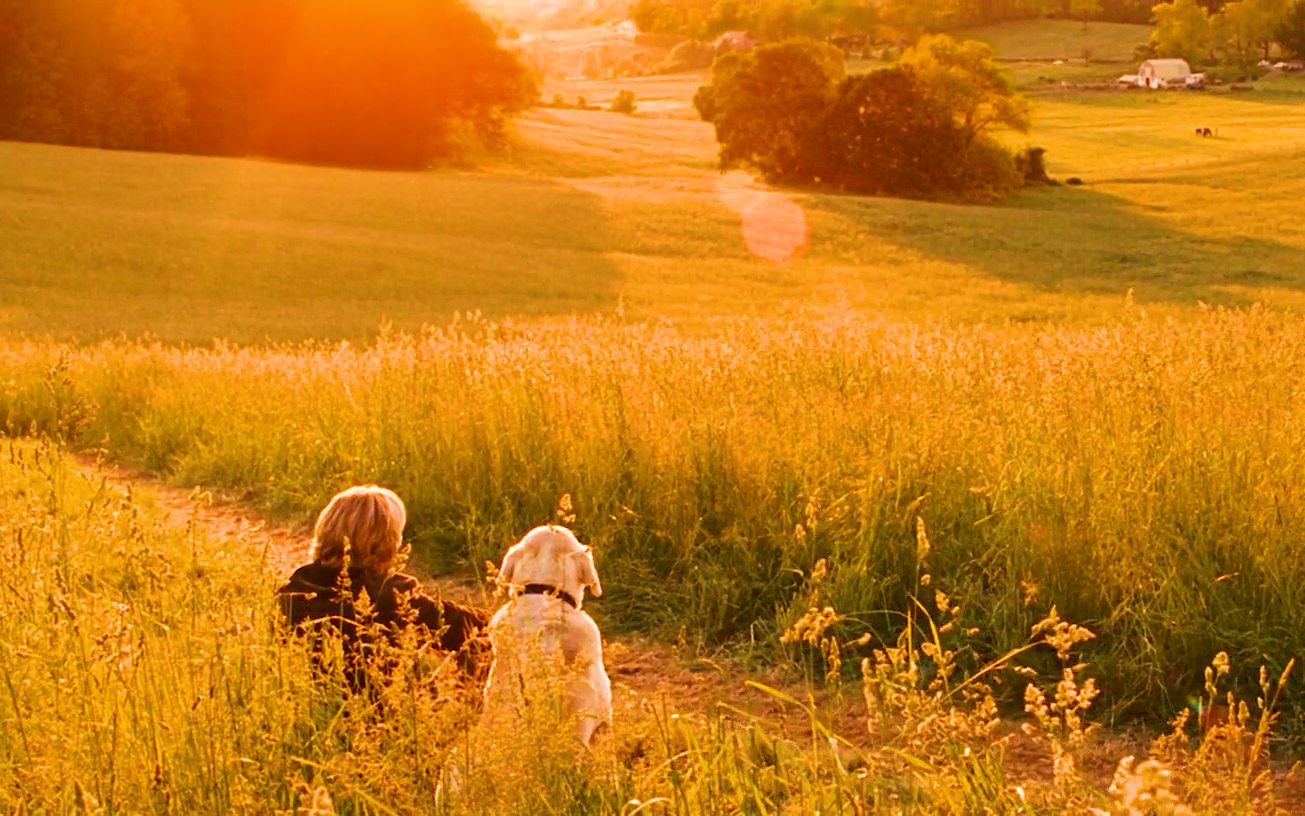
(1164, 73)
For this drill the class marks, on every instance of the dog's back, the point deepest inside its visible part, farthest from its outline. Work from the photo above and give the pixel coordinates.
(543, 626)
(538, 629)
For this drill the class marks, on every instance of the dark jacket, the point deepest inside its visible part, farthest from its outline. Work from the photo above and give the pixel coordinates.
(315, 595)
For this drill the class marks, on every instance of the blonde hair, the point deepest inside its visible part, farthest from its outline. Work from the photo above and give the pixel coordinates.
(366, 522)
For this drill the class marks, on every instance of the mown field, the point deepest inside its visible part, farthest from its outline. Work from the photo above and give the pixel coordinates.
(752, 400)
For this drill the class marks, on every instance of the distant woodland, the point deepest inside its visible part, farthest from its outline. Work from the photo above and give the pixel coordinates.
(402, 83)
(780, 18)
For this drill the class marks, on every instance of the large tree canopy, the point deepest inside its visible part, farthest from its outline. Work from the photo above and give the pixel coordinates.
(765, 104)
(872, 140)
(1243, 31)
(966, 81)
(919, 128)
(94, 72)
(1182, 29)
(352, 81)
(1291, 31)
(1238, 33)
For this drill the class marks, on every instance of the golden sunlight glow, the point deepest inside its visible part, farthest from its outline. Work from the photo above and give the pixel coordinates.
(518, 9)
(774, 226)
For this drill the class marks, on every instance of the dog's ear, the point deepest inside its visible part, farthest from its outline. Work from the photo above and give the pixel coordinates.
(586, 573)
(509, 566)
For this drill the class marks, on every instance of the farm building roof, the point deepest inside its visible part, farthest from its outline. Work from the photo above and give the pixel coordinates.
(1169, 68)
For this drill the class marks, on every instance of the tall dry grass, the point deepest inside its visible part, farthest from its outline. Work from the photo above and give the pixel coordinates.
(1147, 477)
(144, 669)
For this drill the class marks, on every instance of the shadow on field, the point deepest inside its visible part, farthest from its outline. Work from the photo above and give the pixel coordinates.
(1068, 240)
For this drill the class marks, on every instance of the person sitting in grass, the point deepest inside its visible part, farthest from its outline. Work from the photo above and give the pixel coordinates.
(358, 548)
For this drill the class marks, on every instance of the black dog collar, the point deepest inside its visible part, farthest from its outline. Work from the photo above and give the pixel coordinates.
(549, 589)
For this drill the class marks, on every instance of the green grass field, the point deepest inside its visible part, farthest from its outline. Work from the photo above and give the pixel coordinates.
(596, 212)
(1049, 40)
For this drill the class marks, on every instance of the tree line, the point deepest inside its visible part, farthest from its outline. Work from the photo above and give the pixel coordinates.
(399, 84)
(919, 128)
(903, 19)
(1238, 34)
(907, 19)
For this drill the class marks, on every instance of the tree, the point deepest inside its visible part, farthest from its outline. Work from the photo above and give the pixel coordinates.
(855, 16)
(917, 129)
(687, 18)
(1182, 29)
(1291, 30)
(1084, 10)
(1044, 8)
(1244, 31)
(389, 84)
(1126, 11)
(779, 19)
(394, 84)
(9, 35)
(765, 104)
(966, 81)
(1271, 13)
(238, 47)
(97, 73)
(784, 19)
(873, 139)
(911, 18)
(1233, 32)
(139, 100)
(31, 68)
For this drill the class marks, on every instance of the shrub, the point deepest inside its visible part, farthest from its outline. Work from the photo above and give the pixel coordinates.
(1031, 164)
(988, 171)
(690, 55)
(624, 103)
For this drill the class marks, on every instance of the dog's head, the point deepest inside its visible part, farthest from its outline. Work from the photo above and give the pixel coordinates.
(551, 555)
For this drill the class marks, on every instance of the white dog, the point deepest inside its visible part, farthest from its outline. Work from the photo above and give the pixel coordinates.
(546, 574)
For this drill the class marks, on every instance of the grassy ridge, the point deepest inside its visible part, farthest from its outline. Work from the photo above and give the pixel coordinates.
(712, 471)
